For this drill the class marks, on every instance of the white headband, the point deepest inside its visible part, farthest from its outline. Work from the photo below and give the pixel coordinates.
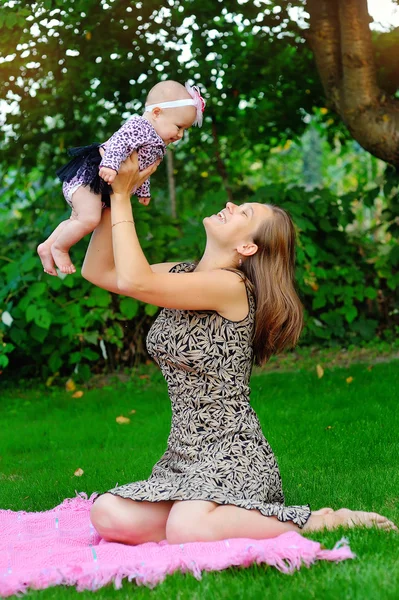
(197, 101)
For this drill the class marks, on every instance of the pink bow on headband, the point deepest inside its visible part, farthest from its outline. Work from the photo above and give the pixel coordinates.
(199, 103)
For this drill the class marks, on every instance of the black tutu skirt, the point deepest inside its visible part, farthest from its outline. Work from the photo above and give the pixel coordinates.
(85, 163)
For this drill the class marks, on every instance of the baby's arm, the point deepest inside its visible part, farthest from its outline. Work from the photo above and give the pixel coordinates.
(107, 174)
(147, 156)
(144, 191)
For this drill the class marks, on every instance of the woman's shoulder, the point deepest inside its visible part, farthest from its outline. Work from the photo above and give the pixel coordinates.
(248, 284)
(183, 267)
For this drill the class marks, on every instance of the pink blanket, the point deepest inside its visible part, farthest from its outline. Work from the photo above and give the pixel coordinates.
(60, 546)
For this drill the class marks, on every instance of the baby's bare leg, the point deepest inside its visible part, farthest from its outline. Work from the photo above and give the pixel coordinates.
(44, 249)
(85, 218)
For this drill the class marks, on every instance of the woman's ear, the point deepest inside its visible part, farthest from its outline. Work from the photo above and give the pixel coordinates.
(247, 249)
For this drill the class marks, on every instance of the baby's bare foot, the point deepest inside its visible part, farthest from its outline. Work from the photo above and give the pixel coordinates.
(62, 260)
(44, 252)
(358, 518)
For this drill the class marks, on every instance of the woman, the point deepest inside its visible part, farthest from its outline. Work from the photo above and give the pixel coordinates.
(218, 477)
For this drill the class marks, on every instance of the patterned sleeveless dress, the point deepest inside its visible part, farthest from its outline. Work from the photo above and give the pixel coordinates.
(216, 449)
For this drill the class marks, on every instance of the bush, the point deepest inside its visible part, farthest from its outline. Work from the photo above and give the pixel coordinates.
(347, 276)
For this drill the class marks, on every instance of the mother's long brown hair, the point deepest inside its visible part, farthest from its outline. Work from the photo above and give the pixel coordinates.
(271, 271)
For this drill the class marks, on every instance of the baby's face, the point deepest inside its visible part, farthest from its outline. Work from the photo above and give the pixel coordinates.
(171, 123)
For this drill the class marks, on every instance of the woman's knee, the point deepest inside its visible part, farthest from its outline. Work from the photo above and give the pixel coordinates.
(124, 520)
(104, 512)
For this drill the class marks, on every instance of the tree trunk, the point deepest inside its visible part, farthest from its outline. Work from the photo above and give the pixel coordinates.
(171, 183)
(340, 38)
(221, 167)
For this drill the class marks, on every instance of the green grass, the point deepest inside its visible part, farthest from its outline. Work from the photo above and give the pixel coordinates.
(337, 444)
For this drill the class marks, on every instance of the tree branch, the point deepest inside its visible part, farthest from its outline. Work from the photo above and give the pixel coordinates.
(359, 77)
(324, 39)
(340, 38)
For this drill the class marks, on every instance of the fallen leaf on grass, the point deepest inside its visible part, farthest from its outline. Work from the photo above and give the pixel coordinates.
(132, 412)
(329, 427)
(50, 379)
(122, 420)
(144, 376)
(79, 472)
(70, 385)
(349, 379)
(369, 368)
(77, 394)
(320, 371)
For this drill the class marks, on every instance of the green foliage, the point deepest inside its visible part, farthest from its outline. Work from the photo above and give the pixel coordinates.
(77, 69)
(347, 277)
(65, 323)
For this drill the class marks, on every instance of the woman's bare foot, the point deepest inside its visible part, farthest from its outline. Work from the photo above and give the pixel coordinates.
(359, 518)
(322, 511)
(44, 252)
(330, 519)
(62, 260)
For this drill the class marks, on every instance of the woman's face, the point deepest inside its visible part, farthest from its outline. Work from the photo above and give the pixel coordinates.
(236, 224)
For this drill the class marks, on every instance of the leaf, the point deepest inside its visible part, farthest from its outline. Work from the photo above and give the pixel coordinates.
(132, 412)
(37, 289)
(122, 420)
(3, 360)
(6, 318)
(38, 333)
(55, 362)
(129, 307)
(43, 318)
(370, 292)
(91, 337)
(30, 312)
(150, 309)
(90, 354)
(78, 472)
(49, 380)
(77, 394)
(70, 385)
(320, 371)
(349, 379)
(98, 297)
(350, 313)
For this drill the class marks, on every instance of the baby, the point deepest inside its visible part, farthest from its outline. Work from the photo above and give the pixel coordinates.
(170, 109)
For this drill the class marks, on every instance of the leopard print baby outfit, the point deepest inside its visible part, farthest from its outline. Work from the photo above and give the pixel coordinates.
(216, 449)
(136, 134)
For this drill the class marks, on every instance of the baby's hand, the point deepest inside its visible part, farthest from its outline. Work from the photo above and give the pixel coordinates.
(145, 201)
(107, 174)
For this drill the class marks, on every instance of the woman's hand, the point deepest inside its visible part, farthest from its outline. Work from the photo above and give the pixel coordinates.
(130, 177)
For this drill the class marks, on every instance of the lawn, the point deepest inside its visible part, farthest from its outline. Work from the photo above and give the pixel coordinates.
(336, 440)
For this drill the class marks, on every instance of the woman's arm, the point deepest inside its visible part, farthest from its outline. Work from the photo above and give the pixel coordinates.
(210, 290)
(99, 266)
